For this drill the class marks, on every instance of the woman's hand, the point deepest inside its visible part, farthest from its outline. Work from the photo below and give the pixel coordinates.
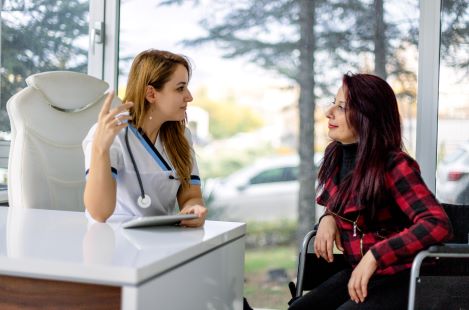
(108, 124)
(358, 283)
(325, 237)
(190, 201)
(198, 210)
(100, 189)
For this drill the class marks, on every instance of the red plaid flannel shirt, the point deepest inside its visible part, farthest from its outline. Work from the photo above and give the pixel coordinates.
(411, 221)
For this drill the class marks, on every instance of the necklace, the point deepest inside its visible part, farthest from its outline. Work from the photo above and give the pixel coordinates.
(354, 223)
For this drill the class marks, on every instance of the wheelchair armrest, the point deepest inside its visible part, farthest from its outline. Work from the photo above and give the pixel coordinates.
(447, 250)
(301, 262)
(307, 239)
(450, 248)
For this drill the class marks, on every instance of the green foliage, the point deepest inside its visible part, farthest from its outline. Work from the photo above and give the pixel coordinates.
(269, 258)
(455, 33)
(259, 291)
(226, 161)
(276, 233)
(268, 33)
(222, 167)
(39, 36)
(228, 118)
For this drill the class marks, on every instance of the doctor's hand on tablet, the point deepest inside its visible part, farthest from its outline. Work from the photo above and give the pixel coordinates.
(198, 210)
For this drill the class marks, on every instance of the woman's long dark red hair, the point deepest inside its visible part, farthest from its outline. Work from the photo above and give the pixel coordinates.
(371, 110)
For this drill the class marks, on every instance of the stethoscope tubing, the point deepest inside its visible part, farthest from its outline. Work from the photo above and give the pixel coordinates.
(144, 201)
(137, 172)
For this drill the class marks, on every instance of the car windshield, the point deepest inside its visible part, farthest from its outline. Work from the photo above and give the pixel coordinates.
(453, 156)
(282, 174)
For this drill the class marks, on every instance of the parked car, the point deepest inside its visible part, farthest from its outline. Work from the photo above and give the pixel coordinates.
(264, 191)
(452, 178)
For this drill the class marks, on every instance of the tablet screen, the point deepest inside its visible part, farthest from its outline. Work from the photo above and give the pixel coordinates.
(159, 220)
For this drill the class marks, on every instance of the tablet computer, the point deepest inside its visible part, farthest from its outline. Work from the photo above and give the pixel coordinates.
(159, 220)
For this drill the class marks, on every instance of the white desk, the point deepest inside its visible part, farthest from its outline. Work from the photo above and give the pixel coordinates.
(58, 258)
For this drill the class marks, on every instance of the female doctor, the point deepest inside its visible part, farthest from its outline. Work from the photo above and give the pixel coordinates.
(138, 156)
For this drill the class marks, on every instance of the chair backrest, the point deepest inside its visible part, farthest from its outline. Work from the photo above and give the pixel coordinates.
(459, 217)
(49, 119)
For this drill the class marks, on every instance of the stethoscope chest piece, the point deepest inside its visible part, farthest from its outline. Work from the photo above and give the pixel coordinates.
(144, 202)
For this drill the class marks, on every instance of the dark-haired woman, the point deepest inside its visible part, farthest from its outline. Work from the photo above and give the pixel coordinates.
(379, 211)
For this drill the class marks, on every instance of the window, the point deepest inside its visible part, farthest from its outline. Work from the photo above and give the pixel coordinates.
(246, 79)
(38, 36)
(452, 182)
(247, 97)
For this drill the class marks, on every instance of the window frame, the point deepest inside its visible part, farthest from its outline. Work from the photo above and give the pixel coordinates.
(428, 90)
(103, 58)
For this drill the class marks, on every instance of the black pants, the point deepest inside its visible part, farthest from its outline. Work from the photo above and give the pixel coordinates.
(384, 292)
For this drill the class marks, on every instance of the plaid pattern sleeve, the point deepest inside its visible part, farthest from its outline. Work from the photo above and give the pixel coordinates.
(430, 222)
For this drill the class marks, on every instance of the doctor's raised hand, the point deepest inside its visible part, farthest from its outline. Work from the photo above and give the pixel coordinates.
(110, 122)
(143, 164)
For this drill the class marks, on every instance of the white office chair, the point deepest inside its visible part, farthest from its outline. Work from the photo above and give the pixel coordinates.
(49, 120)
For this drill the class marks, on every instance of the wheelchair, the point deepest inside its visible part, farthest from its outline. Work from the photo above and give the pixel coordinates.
(443, 283)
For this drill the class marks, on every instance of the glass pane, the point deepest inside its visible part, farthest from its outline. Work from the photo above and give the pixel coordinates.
(246, 89)
(452, 179)
(38, 36)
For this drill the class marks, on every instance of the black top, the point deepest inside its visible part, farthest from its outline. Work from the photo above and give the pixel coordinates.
(349, 154)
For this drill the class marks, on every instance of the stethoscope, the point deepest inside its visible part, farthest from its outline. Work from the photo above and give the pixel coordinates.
(143, 201)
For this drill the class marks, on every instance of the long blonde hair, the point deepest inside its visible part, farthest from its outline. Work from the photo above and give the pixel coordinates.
(155, 68)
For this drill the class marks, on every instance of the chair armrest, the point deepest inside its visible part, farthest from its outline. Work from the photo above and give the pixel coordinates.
(307, 239)
(450, 248)
(302, 260)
